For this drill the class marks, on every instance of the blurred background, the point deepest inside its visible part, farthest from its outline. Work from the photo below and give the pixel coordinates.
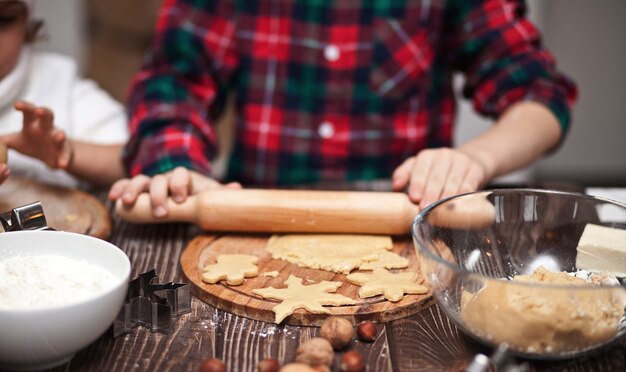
(110, 37)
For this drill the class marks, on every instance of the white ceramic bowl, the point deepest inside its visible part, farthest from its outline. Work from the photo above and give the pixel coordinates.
(46, 337)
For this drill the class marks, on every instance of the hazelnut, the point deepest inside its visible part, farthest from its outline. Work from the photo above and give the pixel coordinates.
(338, 331)
(321, 368)
(268, 365)
(213, 365)
(366, 331)
(352, 361)
(297, 367)
(315, 351)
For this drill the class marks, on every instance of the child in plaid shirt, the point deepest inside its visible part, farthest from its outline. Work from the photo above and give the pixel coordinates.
(340, 90)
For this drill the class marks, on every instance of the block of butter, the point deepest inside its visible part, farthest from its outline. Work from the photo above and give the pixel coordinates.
(602, 248)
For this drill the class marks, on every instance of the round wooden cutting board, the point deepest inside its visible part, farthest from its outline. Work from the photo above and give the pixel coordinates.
(65, 209)
(241, 301)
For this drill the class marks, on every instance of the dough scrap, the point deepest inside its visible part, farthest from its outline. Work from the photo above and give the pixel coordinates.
(340, 253)
(385, 260)
(298, 296)
(392, 286)
(232, 267)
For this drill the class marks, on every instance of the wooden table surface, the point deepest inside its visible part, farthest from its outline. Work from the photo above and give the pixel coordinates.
(426, 341)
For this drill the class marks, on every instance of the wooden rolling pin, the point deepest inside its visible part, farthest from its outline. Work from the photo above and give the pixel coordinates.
(254, 210)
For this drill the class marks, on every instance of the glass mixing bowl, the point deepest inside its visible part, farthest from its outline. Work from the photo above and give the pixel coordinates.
(505, 267)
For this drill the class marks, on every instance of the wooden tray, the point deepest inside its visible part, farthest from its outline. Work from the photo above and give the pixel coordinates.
(65, 209)
(241, 301)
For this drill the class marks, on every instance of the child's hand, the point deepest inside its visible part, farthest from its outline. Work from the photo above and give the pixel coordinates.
(178, 183)
(435, 174)
(4, 168)
(4, 172)
(39, 138)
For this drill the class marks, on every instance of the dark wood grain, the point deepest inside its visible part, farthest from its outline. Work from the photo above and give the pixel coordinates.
(425, 341)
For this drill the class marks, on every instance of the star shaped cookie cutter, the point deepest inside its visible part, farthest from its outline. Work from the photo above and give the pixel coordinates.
(152, 304)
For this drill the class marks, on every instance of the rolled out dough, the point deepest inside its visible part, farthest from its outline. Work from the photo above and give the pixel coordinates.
(338, 253)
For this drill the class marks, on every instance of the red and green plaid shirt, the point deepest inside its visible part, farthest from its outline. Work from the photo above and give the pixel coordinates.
(329, 90)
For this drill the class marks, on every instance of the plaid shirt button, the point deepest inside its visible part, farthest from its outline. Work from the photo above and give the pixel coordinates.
(326, 129)
(332, 53)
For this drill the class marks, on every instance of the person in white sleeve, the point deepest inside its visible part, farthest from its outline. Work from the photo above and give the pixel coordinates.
(59, 128)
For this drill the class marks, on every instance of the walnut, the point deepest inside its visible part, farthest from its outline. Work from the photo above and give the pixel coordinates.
(316, 351)
(338, 331)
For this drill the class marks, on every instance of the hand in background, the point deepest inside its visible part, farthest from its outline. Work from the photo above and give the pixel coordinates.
(4, 169)
(4, 173)
(178, 183)
(434, 174)
(39, 138)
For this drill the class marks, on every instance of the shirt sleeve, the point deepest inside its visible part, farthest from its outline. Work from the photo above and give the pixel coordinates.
(96, 117)
(501, 54)
(171, 97)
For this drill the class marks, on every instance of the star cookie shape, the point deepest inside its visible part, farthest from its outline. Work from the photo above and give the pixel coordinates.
(232, 267)
(298, 296)
(392, 286)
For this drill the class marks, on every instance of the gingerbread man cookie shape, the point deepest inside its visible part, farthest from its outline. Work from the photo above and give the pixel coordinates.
(392, 286)
(298, 296)
(232, 267)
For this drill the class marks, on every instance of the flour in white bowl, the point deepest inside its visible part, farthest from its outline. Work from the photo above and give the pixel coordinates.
(42, 281)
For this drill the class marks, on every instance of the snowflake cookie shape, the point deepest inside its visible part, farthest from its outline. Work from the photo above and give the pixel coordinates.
(392, 286)
(298, 296)
(232, 267)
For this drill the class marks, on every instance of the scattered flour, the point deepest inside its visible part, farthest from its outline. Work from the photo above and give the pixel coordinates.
(41, 281)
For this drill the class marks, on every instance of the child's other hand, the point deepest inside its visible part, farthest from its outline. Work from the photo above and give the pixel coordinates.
(4, 172)
(178, 183)
(39, 138)
(4, 168)
(434, 174)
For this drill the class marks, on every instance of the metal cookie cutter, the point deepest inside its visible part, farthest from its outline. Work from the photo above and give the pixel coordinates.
(151, 304)
(27, 217)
